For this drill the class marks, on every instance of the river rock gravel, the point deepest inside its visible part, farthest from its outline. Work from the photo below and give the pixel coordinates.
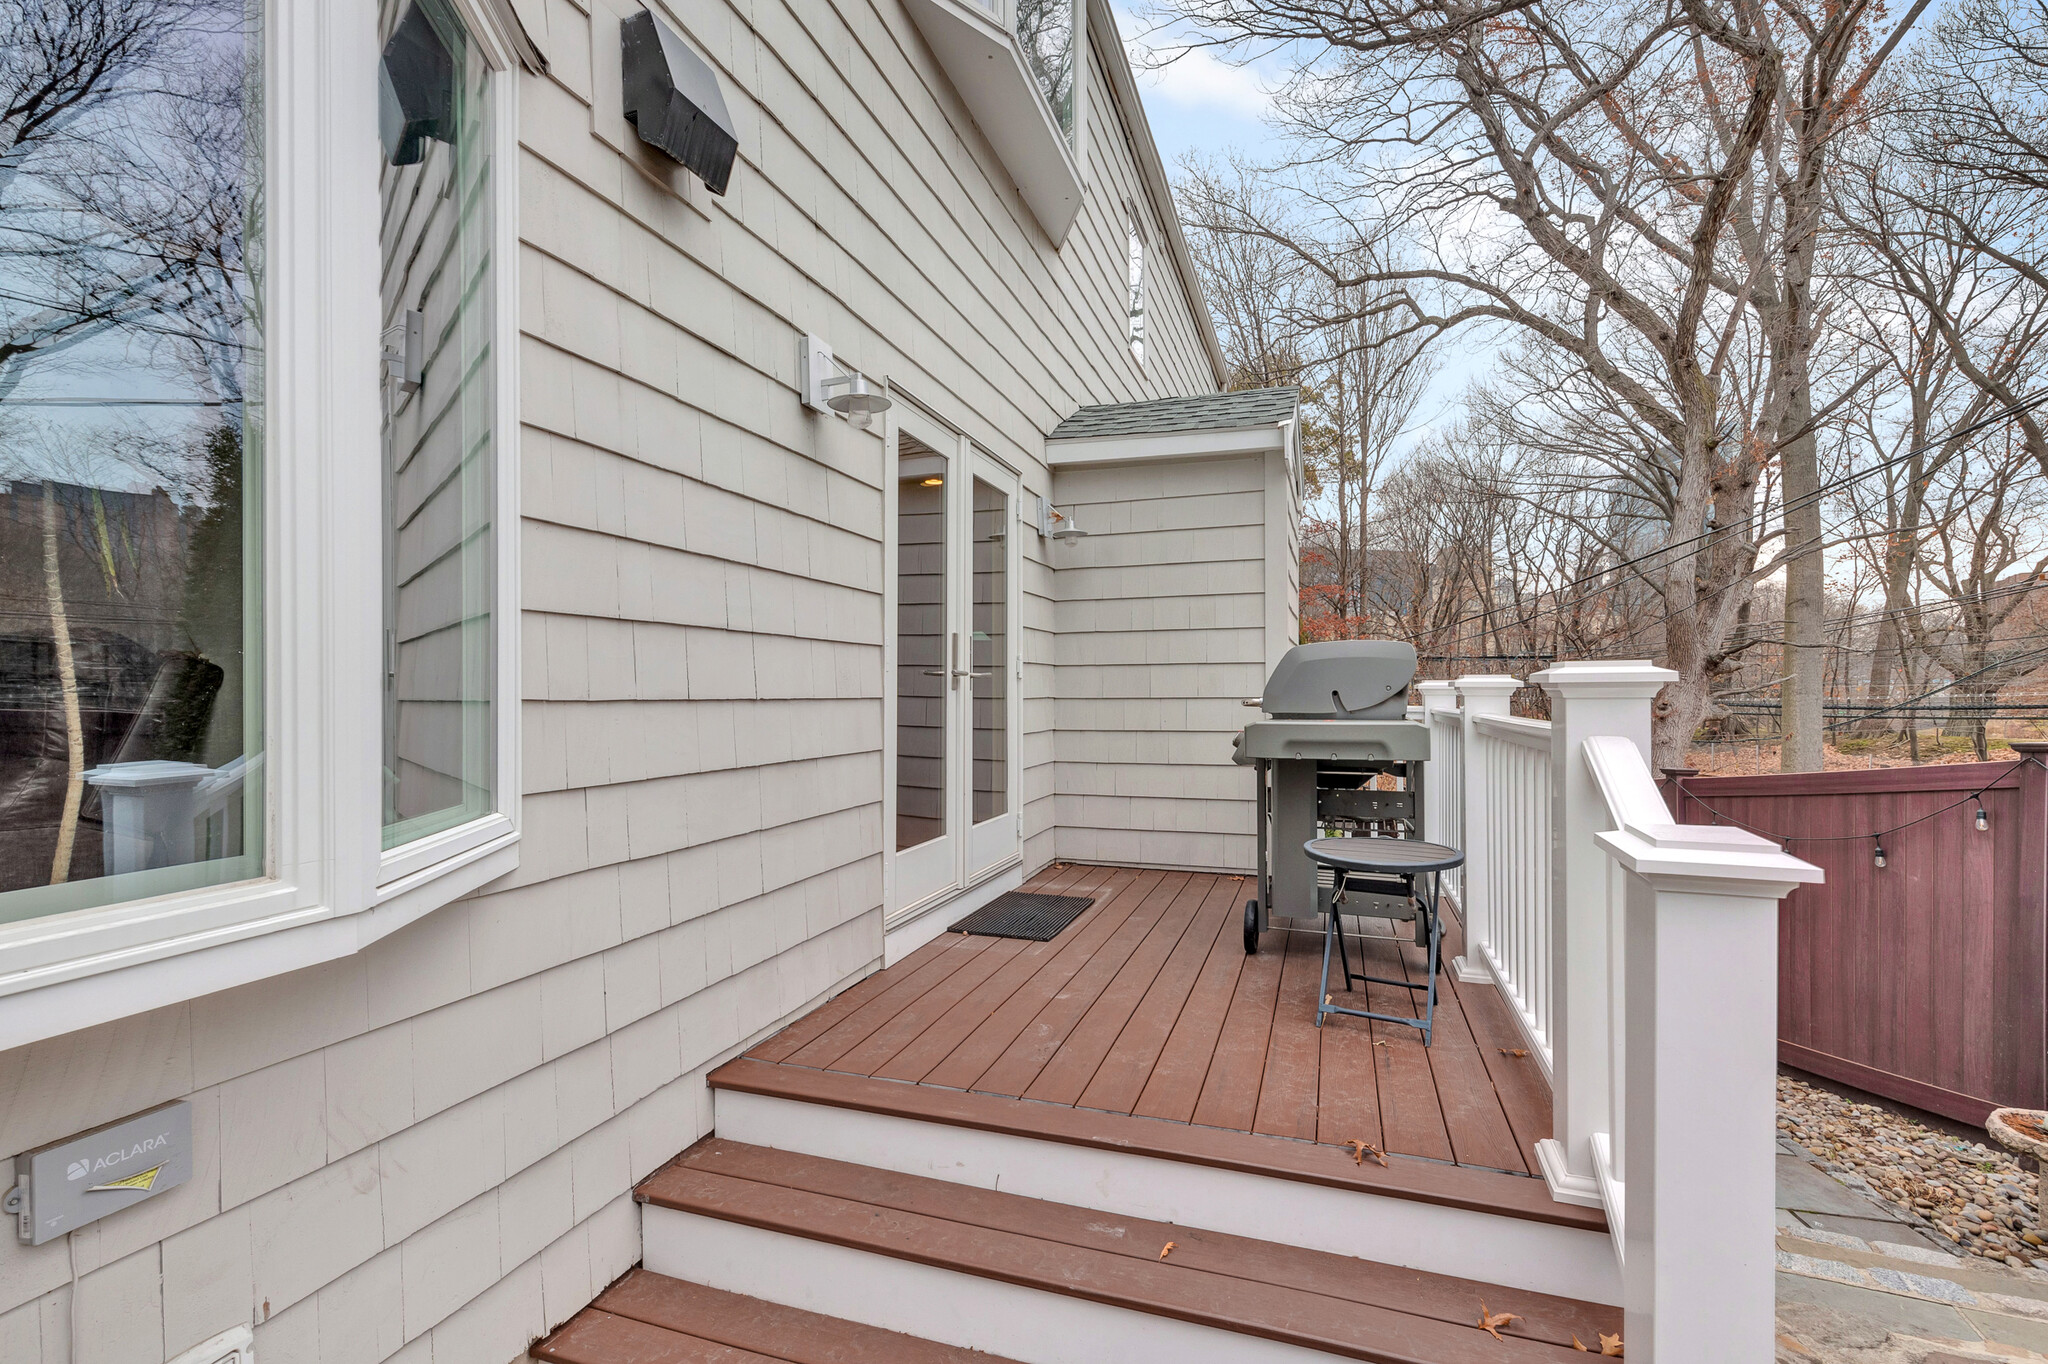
(1975, 1196)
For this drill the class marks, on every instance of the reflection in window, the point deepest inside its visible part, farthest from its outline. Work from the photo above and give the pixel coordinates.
(922, 667)
(1049, 33)
(991, 652)
(1135, 293)
(130, 432)
(437, 431)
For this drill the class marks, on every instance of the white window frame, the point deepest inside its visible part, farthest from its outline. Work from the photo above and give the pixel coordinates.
(329, 889)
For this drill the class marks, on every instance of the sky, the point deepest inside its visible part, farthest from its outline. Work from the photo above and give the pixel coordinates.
(1203, 103)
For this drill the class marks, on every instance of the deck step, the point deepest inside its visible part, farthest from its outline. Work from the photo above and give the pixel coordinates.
(1422, 1214)
(1048, 1283)
(648, 1318)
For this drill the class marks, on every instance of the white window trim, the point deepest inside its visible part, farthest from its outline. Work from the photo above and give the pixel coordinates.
(977, 45)
(331, 888)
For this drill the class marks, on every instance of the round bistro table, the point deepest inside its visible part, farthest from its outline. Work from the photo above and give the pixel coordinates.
(1410, 860)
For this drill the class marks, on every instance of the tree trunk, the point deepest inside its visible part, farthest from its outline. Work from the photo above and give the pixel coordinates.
(67, 677)
(1806, 604)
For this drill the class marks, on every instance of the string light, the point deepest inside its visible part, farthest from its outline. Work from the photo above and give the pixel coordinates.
(1982, 818)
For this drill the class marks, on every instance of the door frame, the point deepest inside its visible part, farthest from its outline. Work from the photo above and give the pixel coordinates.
(967, 458)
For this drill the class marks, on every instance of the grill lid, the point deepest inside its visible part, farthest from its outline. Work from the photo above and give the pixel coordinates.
(1344, 679)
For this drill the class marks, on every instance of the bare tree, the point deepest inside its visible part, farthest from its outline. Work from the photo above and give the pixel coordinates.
(1552, 172)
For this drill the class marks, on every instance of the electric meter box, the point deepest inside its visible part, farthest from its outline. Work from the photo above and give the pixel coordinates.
(81, 1179)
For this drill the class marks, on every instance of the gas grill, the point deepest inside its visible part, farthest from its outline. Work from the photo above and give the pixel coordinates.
(1336, 721)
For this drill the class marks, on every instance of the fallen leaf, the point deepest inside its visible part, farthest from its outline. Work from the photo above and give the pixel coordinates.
(1577, 1346)
(1361, 1149)
(1610, 1345)
(1167, 1249)
(1326, 999)
(1383, 1043)
(1491, 1322)
(1517, 1052)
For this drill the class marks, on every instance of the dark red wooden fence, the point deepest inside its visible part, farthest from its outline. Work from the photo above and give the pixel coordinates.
(1925, 980)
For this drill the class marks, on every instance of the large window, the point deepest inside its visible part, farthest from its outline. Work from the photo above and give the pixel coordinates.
(252, 364)
(1049, 32)
(131, 430)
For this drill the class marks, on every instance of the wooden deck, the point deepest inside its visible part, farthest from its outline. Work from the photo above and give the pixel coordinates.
(1147, 1006)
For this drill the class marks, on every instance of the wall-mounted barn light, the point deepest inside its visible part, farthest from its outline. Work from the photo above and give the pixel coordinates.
(1054, 523)
(415, 90)
(673, 102)
(828, 387)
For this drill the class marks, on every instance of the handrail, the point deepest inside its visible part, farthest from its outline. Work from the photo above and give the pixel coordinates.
(1637, 957)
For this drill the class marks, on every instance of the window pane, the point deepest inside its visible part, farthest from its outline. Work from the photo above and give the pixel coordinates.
(1046, 30)
(921, 662)
(991, 652)
(1137, 292)
(438, 442)
(130, 438)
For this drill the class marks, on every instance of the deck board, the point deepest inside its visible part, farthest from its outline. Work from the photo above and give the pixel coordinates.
(1073, 949)
(1120, 1077)
(1146, 1006)
(1175, 1084)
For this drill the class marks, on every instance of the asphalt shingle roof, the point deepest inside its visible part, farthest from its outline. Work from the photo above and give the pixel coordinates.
(1202, 412)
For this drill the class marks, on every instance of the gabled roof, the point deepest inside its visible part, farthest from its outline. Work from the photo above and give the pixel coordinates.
(1201, 412)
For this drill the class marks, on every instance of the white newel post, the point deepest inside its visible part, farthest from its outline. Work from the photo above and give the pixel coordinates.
(1482, 696)
(1586, 699)
(1698, 1154)
(1435, 696)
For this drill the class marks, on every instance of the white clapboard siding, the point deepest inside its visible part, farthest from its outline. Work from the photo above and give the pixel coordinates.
(427, 1149)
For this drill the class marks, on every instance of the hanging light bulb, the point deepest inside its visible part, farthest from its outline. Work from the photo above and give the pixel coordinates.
(1983, 820)
(1880, 850)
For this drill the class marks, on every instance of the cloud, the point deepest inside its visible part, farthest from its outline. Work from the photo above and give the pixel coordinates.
(1194, 77)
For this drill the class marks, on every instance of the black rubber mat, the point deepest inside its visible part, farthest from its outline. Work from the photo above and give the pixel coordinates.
(1024, 914)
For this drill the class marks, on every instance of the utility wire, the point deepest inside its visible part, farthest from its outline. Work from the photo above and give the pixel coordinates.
(1804, 500)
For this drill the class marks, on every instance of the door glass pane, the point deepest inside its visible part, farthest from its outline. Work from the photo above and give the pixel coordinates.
(921, 662)
(991, 652)
(131, 418)
(438, 443)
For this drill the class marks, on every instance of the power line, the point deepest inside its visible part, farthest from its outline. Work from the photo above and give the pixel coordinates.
(1805, 500)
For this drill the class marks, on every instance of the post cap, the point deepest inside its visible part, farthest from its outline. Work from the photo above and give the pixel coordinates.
(1489, 684)
(1623, 678)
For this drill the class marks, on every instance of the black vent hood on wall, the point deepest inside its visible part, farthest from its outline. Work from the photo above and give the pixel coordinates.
(415, 90)
(672, 100)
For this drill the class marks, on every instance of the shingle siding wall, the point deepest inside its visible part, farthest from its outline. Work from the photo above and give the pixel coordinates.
(1163, 623)
(425, 1152)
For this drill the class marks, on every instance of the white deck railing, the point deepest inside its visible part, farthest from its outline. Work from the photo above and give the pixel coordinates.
(1640, 959)
(1512, 795)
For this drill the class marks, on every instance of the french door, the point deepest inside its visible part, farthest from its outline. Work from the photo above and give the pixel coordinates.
(954, 662)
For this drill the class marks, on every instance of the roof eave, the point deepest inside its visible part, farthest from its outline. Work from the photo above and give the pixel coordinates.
(1202, 443)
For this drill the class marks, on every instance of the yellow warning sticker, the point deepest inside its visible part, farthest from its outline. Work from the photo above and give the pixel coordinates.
(144, 1181)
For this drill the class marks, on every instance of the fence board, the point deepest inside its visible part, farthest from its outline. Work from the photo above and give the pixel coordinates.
(1925, 980)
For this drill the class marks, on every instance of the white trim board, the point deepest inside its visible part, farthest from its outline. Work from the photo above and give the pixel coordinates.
(918, 926)
(1213, 443)
(1515, 1252)
(945, 1305)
